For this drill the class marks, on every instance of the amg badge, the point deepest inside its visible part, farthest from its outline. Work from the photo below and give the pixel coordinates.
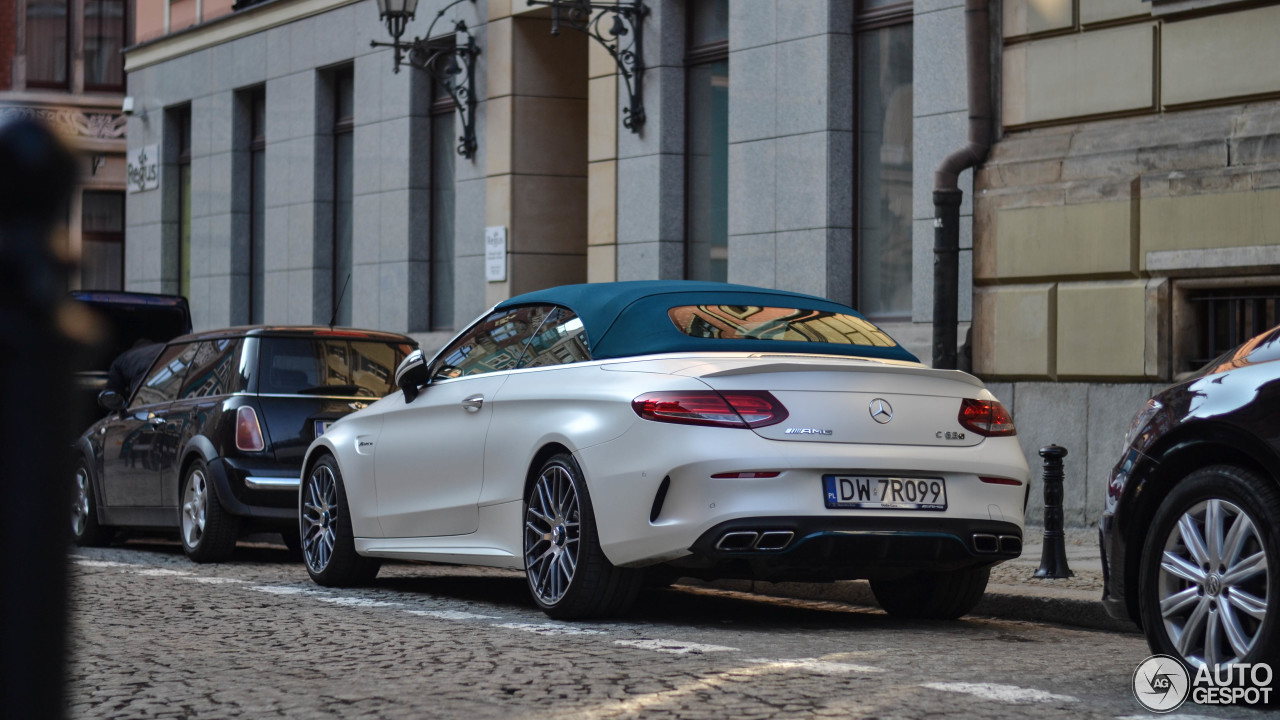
(807, 431)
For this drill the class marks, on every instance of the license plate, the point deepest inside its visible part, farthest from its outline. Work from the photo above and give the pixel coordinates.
(322, 426)
(884, 493)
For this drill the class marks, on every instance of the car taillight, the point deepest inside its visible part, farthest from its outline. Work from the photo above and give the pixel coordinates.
(730, 408)
(248, 431)
(986, 417)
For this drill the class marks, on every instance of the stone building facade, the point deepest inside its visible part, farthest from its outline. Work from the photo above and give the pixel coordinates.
(61, 62)
(785, 143)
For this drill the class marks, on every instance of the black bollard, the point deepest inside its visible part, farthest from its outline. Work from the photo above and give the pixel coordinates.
(1053, 560)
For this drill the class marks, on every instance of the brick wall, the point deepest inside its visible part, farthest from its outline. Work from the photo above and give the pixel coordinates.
(8, 41)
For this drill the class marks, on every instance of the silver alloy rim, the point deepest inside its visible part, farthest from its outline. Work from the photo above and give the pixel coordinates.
(194, 508)
(551, 534)
(319, 514)
(80, 503)
(1213, 582)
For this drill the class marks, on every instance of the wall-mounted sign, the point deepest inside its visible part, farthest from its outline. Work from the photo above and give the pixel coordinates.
(495, 253)
(144, 169)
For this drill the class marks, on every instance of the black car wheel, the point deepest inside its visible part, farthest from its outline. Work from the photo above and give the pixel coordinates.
(1207, 590)
(567, 572)
(328, 544)
(208, 531)
(943, 595)
(85, 529)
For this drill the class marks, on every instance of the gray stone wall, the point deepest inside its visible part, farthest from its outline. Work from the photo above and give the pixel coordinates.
(1090, 421)
(391, 274)
(791, 145)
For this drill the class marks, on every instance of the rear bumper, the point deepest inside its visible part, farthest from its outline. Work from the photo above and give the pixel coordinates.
(240, 497)
(842, 548)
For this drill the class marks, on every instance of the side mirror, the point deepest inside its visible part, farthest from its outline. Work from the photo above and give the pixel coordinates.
(412, 374)
(111, 400)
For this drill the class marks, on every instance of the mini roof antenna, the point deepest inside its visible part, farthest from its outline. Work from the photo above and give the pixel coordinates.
(333, 319)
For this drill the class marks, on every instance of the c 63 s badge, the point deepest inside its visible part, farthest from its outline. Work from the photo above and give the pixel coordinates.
(949, 435)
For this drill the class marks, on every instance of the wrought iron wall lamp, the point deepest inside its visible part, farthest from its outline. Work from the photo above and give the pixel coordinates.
(451, 62)
(628, 20)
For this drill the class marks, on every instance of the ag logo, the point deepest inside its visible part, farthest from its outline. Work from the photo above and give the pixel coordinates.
(1161, 684)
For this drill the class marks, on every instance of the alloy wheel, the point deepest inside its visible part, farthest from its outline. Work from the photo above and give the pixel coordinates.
(195, 508)
(319, 513)
(552, 532)
(1213, 584)
(80, 503)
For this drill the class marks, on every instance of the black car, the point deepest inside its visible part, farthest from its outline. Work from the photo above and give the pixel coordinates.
(212, 439)
(1191, 529)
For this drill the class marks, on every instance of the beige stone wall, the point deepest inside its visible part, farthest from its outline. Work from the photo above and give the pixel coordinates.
(1140, 157)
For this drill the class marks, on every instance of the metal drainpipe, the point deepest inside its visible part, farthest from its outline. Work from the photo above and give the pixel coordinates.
(946, 191)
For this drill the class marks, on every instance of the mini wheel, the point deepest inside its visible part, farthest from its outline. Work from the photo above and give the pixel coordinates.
(208, 531)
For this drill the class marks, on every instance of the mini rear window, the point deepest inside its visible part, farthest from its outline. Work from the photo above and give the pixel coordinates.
(752, 322)
(335, 367)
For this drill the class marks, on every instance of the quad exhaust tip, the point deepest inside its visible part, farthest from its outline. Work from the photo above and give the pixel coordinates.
(768, 540)
(1003, 544)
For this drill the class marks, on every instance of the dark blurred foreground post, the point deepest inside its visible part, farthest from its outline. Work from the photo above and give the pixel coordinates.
(36, 175)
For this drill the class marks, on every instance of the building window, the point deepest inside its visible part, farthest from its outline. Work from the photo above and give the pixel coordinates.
(707, 142)
(444, 144)
(1219, 315)
(48, 43)
(343, 175)
(182, 263)
(102, 240)
(104, 36)
(257, 100)
(883, 38)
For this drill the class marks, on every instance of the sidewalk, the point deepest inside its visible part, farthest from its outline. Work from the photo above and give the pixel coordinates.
(1014, 593)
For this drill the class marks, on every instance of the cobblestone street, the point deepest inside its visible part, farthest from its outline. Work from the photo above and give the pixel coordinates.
(155, 636)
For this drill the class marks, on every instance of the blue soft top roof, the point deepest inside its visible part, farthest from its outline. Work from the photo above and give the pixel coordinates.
(624, 319)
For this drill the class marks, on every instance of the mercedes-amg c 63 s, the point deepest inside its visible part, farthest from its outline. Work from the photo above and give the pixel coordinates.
(595, 435)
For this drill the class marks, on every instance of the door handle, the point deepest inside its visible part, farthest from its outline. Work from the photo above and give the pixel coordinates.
(156, 421)
(473, 403)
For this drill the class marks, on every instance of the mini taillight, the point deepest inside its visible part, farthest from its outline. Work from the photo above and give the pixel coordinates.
(248, 431)
(986, 417)
(730, 408)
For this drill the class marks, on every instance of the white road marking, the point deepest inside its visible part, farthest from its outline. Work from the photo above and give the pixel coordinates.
(358, 602)
(284, 590)
(549, 628)
(452, 615)
(161, 572)
(823, 667)
(101, 563)
(1001, 693)
(213, 580)
(674, 647)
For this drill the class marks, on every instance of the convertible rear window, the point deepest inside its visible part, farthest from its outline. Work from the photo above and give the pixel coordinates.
(753, 322)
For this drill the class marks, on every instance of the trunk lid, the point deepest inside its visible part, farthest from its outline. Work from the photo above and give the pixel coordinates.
(853, 401)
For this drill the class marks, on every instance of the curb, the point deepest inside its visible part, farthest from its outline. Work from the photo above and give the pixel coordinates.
(1074, 608)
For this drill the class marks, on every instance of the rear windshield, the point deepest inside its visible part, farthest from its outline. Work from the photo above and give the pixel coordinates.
(329, 366)
(753, 322)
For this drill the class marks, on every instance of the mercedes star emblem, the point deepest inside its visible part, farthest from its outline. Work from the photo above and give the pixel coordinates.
(881, 410)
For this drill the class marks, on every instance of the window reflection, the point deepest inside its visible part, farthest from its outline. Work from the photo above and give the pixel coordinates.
(738, 322)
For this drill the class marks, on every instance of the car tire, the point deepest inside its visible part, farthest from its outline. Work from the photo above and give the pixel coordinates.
(941, 595)
(328, 543)
(567, 573)
(86, 531)
(207, 530)
(1206, 593)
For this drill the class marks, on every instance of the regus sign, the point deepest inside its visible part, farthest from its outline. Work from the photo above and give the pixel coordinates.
(144, 169)
(495, 253)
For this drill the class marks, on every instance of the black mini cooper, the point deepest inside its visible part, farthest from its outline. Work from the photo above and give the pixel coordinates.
(212, 438)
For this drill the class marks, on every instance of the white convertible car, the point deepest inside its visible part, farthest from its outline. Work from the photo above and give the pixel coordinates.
(598, 435)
